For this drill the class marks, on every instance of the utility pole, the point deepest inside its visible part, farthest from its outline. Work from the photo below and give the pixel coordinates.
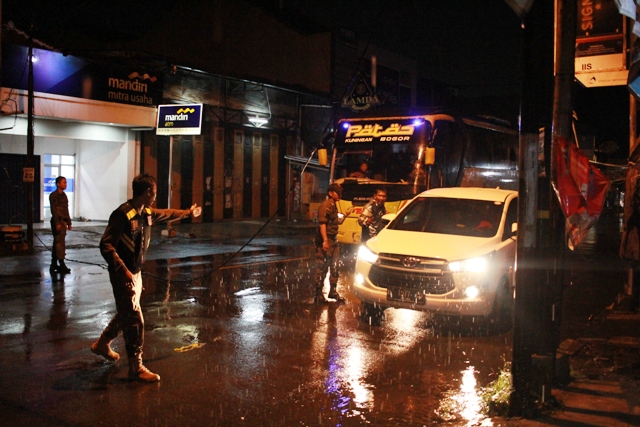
(545, 115)
(28, 173)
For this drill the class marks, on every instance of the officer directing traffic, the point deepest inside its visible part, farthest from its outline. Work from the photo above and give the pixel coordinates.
(124, 245)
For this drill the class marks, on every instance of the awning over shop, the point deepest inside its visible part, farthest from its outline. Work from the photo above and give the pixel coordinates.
(301, 161)
(79, 109)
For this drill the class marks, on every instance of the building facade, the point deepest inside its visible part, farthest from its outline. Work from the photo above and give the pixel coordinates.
(269, 97)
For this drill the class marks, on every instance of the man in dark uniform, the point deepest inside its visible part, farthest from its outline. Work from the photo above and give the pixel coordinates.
(327, 250)
(371, 217)
(60, 223)
(124, 245)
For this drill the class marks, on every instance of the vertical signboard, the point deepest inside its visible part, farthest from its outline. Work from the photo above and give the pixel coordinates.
(601, 58)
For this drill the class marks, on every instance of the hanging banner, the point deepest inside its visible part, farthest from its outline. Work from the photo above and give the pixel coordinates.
(581, 189)
(627, 8)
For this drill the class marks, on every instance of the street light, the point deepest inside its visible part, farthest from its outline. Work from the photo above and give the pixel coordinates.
(258, 121)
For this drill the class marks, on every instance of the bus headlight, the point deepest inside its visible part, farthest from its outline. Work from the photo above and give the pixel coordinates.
(471, 265)
(366, 255)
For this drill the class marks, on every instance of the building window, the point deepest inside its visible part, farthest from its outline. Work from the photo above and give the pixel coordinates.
(56, 165)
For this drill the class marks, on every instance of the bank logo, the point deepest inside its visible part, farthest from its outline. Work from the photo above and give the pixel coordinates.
(145, 76)
(186, 110)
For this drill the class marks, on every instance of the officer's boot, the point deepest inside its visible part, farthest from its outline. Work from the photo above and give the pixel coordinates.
(63, 267)
(53, 268)
(102, 348)
(319, 297)
(333, 293)
(138, 372)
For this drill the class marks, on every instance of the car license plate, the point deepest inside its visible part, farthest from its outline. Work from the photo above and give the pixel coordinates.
(406, 295)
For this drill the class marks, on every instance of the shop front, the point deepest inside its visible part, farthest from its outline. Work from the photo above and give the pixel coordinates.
(87, 124)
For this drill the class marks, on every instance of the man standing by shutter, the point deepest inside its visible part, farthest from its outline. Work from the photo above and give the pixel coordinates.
(60, 223)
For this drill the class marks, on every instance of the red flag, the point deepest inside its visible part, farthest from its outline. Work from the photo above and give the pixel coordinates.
(581, 189)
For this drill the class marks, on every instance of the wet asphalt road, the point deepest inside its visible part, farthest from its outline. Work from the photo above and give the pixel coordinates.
(236, 341)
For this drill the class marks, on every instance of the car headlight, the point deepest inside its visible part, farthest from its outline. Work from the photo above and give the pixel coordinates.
(471, 265)
(365, 254)
(471, 292)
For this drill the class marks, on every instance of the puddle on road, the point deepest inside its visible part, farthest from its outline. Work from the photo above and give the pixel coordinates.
(352, 373)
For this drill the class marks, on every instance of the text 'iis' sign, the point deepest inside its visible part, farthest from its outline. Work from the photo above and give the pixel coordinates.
(601, 51)
(177, 119)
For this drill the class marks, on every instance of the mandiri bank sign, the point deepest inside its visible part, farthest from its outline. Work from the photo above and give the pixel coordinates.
(179, 119)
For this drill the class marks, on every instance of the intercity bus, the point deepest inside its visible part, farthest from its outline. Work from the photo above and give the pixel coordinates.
(409, 154)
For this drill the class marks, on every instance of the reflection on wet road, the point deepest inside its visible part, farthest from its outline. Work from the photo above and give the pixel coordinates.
(270, 350)
(237, 341)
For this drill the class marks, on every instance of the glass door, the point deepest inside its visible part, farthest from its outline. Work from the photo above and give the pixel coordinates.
(56, 165)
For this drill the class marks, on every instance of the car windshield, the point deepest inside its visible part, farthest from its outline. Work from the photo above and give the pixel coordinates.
(460, 217)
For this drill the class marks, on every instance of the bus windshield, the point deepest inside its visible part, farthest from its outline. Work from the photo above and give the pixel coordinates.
(389, 150)
(360, 191)
(433, 150)
(409, 154)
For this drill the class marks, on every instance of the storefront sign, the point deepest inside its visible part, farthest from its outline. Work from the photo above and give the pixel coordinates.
(28, 174)
(176, 119)
(601, 58)
(58, 74)
(49, 185)
(361, 97)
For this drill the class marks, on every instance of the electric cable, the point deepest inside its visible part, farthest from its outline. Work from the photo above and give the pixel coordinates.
(234, 254)
(213, 270)
(103, 266)
(355, 74)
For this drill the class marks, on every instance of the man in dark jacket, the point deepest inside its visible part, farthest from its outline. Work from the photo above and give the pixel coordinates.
(371, 217)
(124, 245)
(60, 223)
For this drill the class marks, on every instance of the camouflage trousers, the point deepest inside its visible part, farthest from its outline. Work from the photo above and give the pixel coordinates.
(59, 248)
(328, 260)
(128, 318)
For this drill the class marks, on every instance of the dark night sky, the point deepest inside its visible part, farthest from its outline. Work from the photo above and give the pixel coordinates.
(471, 44)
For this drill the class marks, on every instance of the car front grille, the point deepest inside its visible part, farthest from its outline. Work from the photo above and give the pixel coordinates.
(399, 271)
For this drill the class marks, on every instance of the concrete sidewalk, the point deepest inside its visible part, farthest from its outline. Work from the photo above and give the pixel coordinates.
(601, 334)
(218, 237)
(605, 375)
